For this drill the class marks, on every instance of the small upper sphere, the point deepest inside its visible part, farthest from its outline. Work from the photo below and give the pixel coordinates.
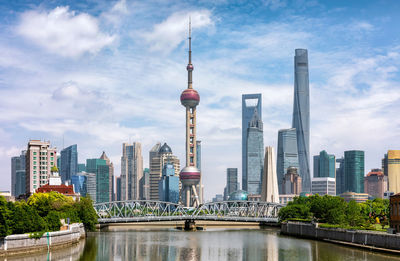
(190, 97)
(190, 67)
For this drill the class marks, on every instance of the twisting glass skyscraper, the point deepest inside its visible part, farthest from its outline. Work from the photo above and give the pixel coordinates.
(250, 102)
(301, 115)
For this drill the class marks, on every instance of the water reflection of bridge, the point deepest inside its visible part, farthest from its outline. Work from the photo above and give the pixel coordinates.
(144, 211)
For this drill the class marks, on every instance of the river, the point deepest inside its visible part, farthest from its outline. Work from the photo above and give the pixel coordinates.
(212, 244)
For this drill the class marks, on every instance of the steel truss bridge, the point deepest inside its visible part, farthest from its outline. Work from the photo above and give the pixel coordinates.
(152, 211)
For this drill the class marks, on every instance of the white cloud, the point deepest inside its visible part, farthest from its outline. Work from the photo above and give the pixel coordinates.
(116, 13)
(64, 32)
(275, 4)
(170, 33)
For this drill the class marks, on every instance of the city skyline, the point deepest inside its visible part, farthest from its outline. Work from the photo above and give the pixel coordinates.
(98, 97)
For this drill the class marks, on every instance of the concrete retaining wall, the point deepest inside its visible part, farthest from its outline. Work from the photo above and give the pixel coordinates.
(366, 238)
(22, 243)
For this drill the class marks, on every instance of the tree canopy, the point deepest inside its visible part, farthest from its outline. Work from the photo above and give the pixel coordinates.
(336, 211)
(42, 212)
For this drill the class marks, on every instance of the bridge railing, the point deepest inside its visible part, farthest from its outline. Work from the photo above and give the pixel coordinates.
(149, 208)
(138, 208)
(239, 209)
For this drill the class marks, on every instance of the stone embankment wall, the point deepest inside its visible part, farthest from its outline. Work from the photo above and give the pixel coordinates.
(356, 237)
(23, 244)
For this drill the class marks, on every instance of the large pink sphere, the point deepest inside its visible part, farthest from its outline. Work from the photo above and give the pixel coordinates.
(190, 176)
(190, 97)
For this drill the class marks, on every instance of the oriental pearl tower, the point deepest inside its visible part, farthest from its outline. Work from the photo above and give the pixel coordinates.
(190, 175)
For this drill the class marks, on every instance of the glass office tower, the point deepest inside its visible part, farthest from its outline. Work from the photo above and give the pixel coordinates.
(287, 154)
(301, 115)
(231, 180)
(168, 186)
(18, 170)
(324, 165)
(254, 155)
(102, 175)
(69, 162)
(340, 178)
(354, 171)
(79, 182)
(250, 102)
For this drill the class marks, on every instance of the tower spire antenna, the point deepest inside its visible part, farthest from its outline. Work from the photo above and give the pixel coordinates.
(189, 67)
(190, 40)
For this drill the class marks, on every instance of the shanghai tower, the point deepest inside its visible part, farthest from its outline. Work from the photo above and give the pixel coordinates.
(301, 115)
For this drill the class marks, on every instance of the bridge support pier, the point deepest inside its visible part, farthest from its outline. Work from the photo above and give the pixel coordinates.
(190, 225)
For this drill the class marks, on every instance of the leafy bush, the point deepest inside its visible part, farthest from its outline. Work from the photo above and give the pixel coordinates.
(53, 221)
(335, 212)
(87, 214)
(43, 212)
(4, 224)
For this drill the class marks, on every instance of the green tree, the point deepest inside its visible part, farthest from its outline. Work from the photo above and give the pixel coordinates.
(70, 211)
(4, 213)
(328, 209)
(53, 221)
(300, 211)
(21, 218)
(353, 214)
(87, 214)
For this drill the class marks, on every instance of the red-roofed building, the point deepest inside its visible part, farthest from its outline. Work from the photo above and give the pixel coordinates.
(375, 183)
(67, 190)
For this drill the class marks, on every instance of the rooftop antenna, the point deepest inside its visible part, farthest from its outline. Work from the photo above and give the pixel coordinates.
(190, 40)
(189, 67)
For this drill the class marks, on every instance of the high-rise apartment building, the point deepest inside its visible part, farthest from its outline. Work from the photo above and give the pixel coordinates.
(157, 162)
(18, 170)
(393, 170)
(354, 171)
(231, 181)
(168, 186)
(375, 183)
(131, 170)
(254, 155)
(40, 158)
(81, 167)
(145, 185)
(90, 185)
(269, 191)
(69, 163)
(340, 178)
(110, 176)
(323, 186)
(385, 165)
(118, 189)
(250, 103)
(287, 154)
(301, 115)
(291, 182)
(324, 165)
(102, 174)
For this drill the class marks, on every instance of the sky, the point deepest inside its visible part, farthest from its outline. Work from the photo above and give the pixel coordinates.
(100, 73)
